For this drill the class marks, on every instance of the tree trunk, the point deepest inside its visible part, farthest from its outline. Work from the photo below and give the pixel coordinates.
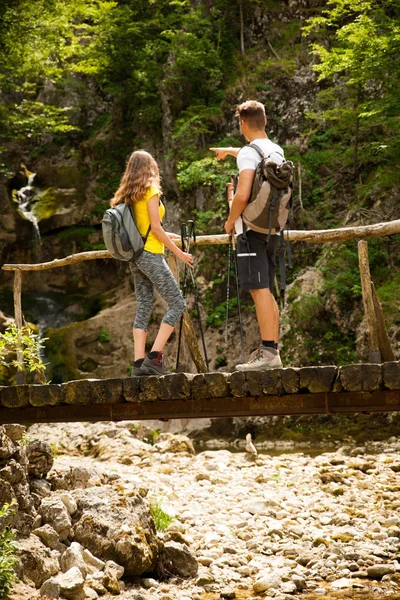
(241, 27)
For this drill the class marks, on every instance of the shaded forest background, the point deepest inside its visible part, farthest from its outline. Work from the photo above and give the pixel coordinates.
(85, 82)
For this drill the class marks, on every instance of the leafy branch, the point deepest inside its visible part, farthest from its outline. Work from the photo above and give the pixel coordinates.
(27, 342)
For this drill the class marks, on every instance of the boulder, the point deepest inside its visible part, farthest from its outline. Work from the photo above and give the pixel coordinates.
(71, 584)
(72, 557)
(55, 513)
(126, 534)
(176, 559)
(38, 563)
(13, 430)
(50, 588)
(40, 458)
(49, 537)
(168, 442)
(7, 447)
(92, 562)
(68, 478)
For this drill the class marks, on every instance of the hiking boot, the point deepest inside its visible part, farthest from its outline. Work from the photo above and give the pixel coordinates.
(137, 372)
(262, 359)
(137, 368)
(155, 366)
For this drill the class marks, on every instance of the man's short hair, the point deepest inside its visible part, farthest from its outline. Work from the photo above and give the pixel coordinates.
(253, 113)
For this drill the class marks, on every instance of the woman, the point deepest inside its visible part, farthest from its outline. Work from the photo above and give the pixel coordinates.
(140, 187)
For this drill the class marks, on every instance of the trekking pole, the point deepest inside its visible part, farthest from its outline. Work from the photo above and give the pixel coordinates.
(192, 232)
(183, 236)
(229, 196)
(239, 307)
(234, 181)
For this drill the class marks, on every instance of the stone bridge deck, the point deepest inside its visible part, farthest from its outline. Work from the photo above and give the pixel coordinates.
(290, 391)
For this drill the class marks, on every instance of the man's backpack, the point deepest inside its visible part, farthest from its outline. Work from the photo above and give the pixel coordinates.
(271, 196)
(120, 233)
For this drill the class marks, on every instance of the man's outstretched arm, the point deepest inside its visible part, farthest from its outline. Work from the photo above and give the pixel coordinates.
(222, 153)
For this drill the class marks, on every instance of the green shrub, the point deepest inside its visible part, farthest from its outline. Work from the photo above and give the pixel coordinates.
(161, 519)
(220, 361)
(27, 342)
(7, 555)
(104, 336)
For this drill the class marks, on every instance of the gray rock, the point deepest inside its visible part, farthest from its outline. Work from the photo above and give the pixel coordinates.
(69, 502)
(95, 564)
(113, 568)
(41, 487)
(15, 431)
(54, 513)
(148, 582)
(267, 582)
(72, 557)
(299, 582)
(228, 594)
(379, 570)
(40, 458)
(111, 583)
(90, 593)
(176, 559)
(167, 442)
(51, 588)
(49, 537)
(38, 563)
(7, 447)
(125, 534)
(70, 478)
(71, 584)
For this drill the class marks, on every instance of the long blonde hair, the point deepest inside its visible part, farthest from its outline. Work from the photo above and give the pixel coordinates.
(140, 174)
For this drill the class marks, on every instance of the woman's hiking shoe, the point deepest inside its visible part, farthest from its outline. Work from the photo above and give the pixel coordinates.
(262, 359)
(137, 368)
(137, 371)
(155, 366)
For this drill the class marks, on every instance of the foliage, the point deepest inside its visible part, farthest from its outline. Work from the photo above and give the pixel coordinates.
(33, 120)
(217, 318)
(23, 340)
(8, 557)
(104, 336)
(357, 42)
(161, 519)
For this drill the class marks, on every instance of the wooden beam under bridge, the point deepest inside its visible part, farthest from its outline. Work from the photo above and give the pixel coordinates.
(291, 391)
(327, 403)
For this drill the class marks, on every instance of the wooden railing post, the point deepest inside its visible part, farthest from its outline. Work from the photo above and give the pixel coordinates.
(187, 328)
(21, 375)
(384, 344)
(365, 275)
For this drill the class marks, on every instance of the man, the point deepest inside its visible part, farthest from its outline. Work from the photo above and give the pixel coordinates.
(256, 256)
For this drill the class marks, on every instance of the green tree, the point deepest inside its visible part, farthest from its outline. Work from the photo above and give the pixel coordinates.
(357, 44)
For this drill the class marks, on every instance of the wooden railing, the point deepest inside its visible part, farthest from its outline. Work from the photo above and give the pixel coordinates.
(379, 344)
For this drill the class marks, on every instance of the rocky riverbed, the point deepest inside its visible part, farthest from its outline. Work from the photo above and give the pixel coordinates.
(253, 526)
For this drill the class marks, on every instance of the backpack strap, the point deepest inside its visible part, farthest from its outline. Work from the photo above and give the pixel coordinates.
(261, 153)
(148, 231)
(258, 149)
(146, 236)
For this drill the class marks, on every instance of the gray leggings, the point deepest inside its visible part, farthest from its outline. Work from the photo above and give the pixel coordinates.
(150, 272)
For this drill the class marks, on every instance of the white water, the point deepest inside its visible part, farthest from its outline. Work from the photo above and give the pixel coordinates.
(25, 196)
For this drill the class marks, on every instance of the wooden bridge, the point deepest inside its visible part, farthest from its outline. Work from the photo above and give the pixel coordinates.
(291, 391)
(369, 387)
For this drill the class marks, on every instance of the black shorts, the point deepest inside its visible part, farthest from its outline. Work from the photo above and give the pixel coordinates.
(256, 260)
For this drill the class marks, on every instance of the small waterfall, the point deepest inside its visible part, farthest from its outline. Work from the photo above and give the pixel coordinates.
(25, 197)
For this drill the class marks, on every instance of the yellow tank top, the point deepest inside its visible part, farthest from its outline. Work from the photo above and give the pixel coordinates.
(142, 219)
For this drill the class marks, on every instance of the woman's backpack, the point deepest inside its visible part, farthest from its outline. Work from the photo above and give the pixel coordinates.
(120, 233)
(271, 196)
